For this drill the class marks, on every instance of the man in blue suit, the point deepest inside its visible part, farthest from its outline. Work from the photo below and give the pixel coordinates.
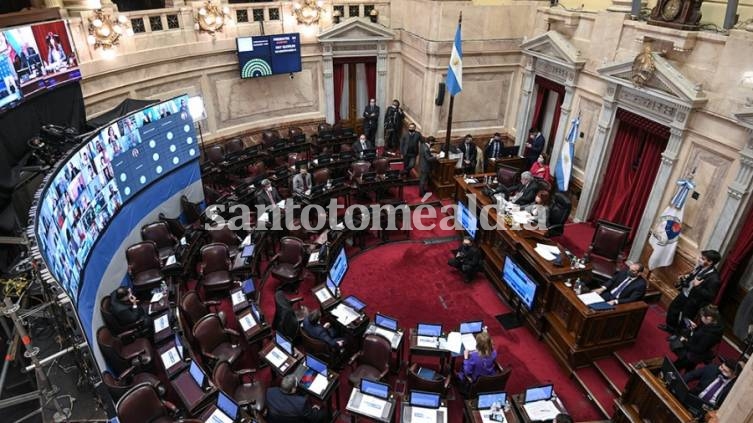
(626, 286)
(714, 382)
(534, 146)
(284, 405)
(323, 332)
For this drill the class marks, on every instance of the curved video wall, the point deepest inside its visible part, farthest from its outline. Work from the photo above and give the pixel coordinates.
(98, 180)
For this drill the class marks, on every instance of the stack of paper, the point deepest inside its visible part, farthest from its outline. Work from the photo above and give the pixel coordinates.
(469, 341)
(170, 357)
(219, 417)
(171, 260)
(521, 217)
(161, 323)
(156, 297)
(323, 295)
(427, 341)
(547, 252)
(276, 357)
(318, 385)
(344, 315)
(246, 241)
(541, 410)
(454, 343)
(590, 298)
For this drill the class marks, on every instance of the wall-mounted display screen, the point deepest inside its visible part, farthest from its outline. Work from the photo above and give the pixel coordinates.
(269, 55)
(110, 167)
(33, 59)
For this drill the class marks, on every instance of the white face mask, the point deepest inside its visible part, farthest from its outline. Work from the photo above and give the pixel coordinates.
(541, 161)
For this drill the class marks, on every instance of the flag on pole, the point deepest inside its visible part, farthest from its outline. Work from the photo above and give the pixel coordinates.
(455, 70)
(564, 165)
(666, 231)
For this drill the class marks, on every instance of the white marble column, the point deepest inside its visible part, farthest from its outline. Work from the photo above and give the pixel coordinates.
(329, 84)
(381, 90)
(733, 210)
(598, 155)
(563, 125)
(524, 105)
(668, 159)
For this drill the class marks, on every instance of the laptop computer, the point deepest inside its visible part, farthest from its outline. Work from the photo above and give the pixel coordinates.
(491, 400)
(248, 251)
(369, 153)
(386, 322)
(198, 375)
(323, 159)
(538, 393)
(314, 375)
(347, 155)
(284, 344)
(354, 303)
(316, 189)
(338, 181)
(386, 327)
(371, 399)
(424, 407)
(428, 334)
(228, 406)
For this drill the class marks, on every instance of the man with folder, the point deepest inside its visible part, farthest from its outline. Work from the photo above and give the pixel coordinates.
(626, 286)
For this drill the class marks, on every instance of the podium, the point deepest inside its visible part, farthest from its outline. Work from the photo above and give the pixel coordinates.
(443, 178)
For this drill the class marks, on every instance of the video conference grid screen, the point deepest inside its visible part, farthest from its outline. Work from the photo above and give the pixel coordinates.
(468, 221)
(110, 168)
(269, 55)
(34, 58)
(520, 282)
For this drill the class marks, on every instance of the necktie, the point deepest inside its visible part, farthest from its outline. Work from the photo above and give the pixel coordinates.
(711, 390)
(617, 291)
(305, 183)
(271, 199)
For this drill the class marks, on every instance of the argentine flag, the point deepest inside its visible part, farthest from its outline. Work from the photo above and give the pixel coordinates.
(455, 70)
(565, 163)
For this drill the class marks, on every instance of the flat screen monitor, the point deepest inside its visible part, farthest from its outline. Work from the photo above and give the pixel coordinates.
(472, 327)
(385, 321)
(339, 268)
(429, 329)
(425, 399)
(538, 393)
(490, 399)
(373, 388)
(248, 286)
(267, 55)
(520, 282)
(316, 365)
(354, 303)
(284, 343)
(227, 405)
(467, 219)
(197, 374)
(248, 251)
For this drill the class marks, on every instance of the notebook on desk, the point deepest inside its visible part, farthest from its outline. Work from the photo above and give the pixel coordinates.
(537, 401)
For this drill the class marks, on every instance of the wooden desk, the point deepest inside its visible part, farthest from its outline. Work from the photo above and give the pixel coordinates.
(406, 413)
(191, 395)
(577, 334)
(170, 349)
(472, 414)
(380, 185)
(645, 396)
(258, 331)
(415, 349)
(288, 365)
(517, 401)
(441, 180)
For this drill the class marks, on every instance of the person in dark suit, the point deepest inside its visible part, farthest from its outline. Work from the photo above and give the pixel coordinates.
(469, 154)
(562, 418)
(268, 195)
(697, 289)
(427, 157)
(393, 125)
(698, 344)
(284, 405)
(371, 120)
(362, 145)
(626, 286)
(314, 328)
(534, 146)
(409, 144)
(125, 309)
(524, 192)
(714, 382)
(467, 259)
(493, 150)
(302, 181)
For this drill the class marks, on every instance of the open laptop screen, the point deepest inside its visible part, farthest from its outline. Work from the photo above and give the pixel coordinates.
(284, 343)
(196, 373)
(248, 251)
(354, 303)
(316, 365)
(539, 393)
(377, 389)
(428, 329)
(248, 286)
(471, 327)
(424, 399)
(385, 322)
(228, 406)
(486, 401)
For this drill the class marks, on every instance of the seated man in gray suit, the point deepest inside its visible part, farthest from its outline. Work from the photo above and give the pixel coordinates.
(302, 181)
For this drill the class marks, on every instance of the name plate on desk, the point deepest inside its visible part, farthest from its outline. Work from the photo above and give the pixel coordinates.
(247, 322)
(170, 357)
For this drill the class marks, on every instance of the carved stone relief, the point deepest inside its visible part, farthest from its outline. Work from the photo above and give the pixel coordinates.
(711, 173)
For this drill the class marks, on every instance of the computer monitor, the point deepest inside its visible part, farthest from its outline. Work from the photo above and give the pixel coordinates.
(316, 365)
(668, 371)
(339, 267)
(472, 327)
(385, 322)
(257, 313)
(197, 374)
(538, 393)
(227, 405)
(248, 286)
(331, 287)
(354, 303)
(284, 343)
(489, 399)
(425, 399)
(248, 251)
(520, 282)
(467, 219)
(373, 388)
(178, 345)
(429, 329)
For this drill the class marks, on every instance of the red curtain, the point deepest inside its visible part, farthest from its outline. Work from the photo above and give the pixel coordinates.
(339, 77)
(371, 79)
(538, 109)
(740, 254)
(629, 177)
(58, 28)
(556, 118)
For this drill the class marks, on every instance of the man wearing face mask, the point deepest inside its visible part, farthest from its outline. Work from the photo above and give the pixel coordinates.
(697, 289)
(370, 120)
(469, 154)
(427, 157)
(124, 307)
(302, 181)
(714, 382)
(626, 286)
(467, 259)
(393, 125)
(493, 150)
(268, 196)
(362, 145)
(534, 146)
(409, 148)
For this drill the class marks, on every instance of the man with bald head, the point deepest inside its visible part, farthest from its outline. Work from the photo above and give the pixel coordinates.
(626, 286)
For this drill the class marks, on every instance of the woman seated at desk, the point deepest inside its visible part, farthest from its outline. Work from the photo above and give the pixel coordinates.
(482, 362)
(540, 206)
(541, 170)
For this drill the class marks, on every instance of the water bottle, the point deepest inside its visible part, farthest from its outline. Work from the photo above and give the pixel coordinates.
(163, 288)
(578, 286)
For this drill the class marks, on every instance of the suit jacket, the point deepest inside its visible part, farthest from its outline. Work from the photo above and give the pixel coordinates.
(426, 158)
(409, 144)
(489, 151)
(124, 312)
(470, 255)
(283, 407)
(263, 199)
(702, 340)
(469, 153)
(528, 193)
(298, 185)
(358, 149)
(537, 146)
(367, 115)
(705, 376)
(321, 333)
(393, 118)
(704, 293)
(634, 291)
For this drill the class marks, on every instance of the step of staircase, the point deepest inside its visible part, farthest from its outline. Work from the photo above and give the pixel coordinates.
(596, 388)
(613, 373)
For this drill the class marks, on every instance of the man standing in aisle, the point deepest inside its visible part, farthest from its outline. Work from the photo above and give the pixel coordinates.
(409, 148)
(697, 289)
(393, 125)
(371, 120)
(425, 165)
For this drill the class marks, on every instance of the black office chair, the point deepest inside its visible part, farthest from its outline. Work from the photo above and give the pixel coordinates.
(559, 212)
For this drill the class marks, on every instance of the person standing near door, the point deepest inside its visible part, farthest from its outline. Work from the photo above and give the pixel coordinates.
(393, 125)
(371, 120)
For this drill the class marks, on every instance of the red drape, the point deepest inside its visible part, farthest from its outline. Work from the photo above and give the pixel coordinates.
(629, 177)
(556, 118)
(538, 109)
(40, 32)
(371, 79)
(339, 79)
(739, 254)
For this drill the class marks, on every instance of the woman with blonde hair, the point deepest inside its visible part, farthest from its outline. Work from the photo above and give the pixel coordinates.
(481, 362)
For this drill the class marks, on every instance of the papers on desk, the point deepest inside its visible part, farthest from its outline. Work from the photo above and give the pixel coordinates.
(344, 314)
(521, 217)
(183, 241)
(314, 257)
(276, 357)
(170, 357)
(454, 343)
(469, 341)
(486, 416)
(423, 415)
(156, 297)
(247, 322)
(547, 252)
(280, 204)
(218, 417)
(541, 410)
(427, 341)
(323, 295)
(237, 297)
(372, 406)
(471, 180)
(161, 323)
(393, 337)
(318, 385)
(590, 298)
